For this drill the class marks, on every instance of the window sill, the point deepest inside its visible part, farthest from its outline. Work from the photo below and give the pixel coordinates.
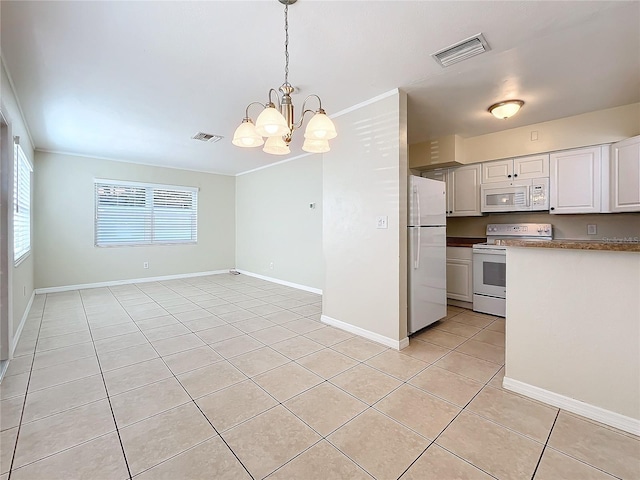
(17, 263)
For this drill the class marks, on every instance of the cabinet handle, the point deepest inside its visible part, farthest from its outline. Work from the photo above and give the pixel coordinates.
(553, 208)
(508, 176)
(515, 175)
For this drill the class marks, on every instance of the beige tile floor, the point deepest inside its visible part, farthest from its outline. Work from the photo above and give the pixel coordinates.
(230, 377)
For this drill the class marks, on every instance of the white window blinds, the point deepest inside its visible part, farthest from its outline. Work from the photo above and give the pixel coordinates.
(21, 205)
(129, 213)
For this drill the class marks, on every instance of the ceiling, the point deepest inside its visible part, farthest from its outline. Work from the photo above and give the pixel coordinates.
(133, 81)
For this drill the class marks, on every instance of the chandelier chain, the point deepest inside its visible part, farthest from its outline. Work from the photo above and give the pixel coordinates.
(286, 44)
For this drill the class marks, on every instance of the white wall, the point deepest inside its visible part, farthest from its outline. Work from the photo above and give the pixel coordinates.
(572, 227)
(64, 225)
(576, 332)
(593, 128)
(21, 278)
(277, 234)
(365, 176)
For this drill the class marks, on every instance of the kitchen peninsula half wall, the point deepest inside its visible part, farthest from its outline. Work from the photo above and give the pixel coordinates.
(573, 328)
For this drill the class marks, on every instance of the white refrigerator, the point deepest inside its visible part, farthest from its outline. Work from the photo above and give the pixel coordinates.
(427, 237)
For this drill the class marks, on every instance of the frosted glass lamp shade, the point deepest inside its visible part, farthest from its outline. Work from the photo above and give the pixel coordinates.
(246, 135)
(315, 146)
(276, 146)
(504, 110)
(271, 123)
(320, 127)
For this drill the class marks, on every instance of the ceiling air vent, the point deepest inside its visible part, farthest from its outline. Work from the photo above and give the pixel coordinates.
(461, 51)
(207, 137)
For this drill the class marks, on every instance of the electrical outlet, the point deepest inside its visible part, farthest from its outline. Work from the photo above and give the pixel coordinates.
(592, 229)
(271, 266)
(145, 264)
(534, 136)
(381, 221)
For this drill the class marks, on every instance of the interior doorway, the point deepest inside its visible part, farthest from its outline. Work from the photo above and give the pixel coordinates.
(6, 155)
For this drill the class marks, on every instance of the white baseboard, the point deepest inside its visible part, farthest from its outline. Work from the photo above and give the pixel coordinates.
(113, 283)
(281, 282)
(369, 335)
(613, 419)
(16, 338)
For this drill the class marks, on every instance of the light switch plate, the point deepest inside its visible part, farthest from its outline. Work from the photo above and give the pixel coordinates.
(381, 221)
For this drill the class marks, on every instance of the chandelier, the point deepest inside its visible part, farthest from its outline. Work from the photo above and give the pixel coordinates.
(277, 124)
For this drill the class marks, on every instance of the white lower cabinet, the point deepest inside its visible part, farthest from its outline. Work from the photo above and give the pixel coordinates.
(460, 273)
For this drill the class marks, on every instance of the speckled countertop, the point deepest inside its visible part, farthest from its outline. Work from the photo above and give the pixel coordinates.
(574, 244)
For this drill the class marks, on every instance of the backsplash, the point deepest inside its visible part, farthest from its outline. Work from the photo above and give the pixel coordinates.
(610, 226)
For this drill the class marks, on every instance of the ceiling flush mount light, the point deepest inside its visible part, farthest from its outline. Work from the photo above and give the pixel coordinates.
(276, 121)
(506, 109)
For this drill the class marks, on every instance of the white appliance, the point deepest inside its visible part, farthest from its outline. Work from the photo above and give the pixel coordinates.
(518, 196)
(427, 237)
(490, 263)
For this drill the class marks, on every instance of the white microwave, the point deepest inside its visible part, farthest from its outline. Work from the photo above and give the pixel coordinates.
(521, 196)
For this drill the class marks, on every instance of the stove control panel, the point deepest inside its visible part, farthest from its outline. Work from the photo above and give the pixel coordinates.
(519, 230)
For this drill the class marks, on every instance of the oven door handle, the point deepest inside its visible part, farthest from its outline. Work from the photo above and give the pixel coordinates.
(489, 252)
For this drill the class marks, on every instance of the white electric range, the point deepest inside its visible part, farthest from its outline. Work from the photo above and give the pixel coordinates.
(490, 263)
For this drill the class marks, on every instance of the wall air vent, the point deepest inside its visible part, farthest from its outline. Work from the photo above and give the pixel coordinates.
(207, 137)
(461, 51)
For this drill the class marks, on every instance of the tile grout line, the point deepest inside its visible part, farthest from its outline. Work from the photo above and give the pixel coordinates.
(450, 422)
(192, 401)
(93, 342)
(24, 403)
(325, 380)
(469, 402)
(279, 403)
(544, 447)
(368, 406)
(106, 391)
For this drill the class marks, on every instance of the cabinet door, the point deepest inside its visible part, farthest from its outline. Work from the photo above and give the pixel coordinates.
(625, 175)
(534, 166)
(464, 187)
(575, 181)
(443, 176)
(440, 174)
(500, 171)
(459, 280)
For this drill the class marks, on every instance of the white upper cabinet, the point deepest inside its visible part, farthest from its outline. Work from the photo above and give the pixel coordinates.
(625, 175)
(496, 172)
(533, 166)
(463, 189)
(575, 181)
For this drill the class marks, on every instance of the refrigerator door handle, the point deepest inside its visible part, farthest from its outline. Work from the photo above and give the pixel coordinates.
(417, 195)
(416, 262)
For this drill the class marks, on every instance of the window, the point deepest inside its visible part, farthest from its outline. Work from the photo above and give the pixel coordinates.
(130, 213)
(21, 206)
